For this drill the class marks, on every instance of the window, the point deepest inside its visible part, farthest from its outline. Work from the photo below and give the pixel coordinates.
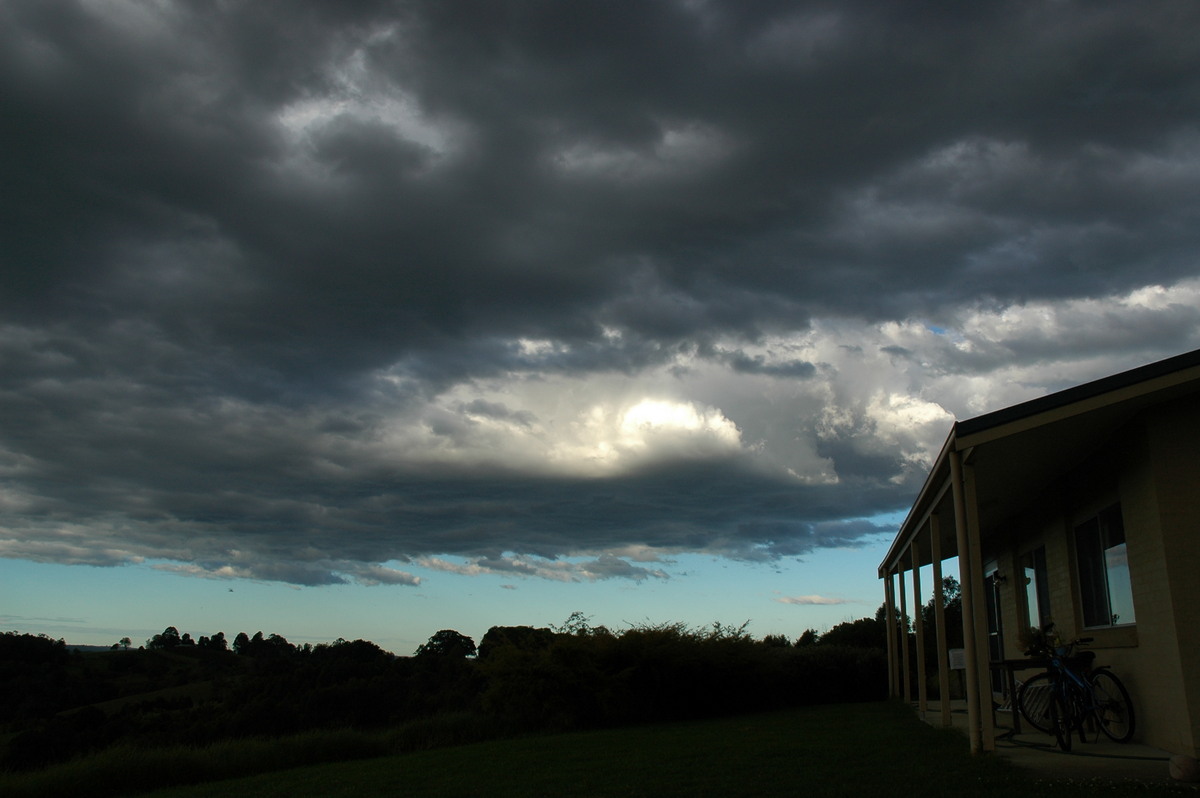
(1037, 588)
(1104, 586)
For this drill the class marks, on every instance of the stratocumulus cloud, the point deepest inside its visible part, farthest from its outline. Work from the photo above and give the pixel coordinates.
(559, 291)
(814, 600)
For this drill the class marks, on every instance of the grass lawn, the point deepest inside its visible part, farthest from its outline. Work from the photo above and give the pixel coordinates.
(877, 749)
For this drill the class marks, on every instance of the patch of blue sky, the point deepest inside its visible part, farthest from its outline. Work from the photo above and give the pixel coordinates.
(98, 606)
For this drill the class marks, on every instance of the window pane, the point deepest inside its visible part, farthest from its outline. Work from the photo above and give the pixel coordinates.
(1092, 590)
(1031, 597)
(1037, 587)
(1116, 566)
(1104, 586)
(1120, 593)
(1043, 585)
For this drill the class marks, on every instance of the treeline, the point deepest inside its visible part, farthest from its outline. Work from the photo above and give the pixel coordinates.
(593, 677)
(55, 704)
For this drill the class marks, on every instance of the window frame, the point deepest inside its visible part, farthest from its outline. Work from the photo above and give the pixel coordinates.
(1093, 541)
(1034, 576)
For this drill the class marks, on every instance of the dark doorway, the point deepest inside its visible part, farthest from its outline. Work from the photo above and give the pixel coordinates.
(995, 628)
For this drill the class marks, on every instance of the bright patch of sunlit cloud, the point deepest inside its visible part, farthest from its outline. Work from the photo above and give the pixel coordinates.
(531, 348)
(888, 392)
(558, 425)
(650, 416)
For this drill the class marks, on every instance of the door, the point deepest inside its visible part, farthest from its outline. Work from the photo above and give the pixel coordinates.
(995, 628)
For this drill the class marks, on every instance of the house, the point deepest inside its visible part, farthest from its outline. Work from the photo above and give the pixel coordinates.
(1081, 507)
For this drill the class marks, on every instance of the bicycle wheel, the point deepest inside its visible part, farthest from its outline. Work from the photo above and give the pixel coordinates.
(1061, 719)
(1086, 722)
(1033, 701)
(1113, 709)
(1080, 712)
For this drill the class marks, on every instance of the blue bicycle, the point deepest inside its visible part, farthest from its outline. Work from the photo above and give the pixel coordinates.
(1072, 697)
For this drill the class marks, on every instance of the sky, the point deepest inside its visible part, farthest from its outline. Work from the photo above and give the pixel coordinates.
(367, 320)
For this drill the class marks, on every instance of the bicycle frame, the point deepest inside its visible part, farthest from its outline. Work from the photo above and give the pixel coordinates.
(1072, 688)
(1079, 696)
(1059, 664)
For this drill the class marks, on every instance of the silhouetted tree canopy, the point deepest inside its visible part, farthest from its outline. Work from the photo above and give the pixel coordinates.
(168, 639)
(362, 651)
(524, 679)
(863, 633)
(952, 603)
(448, 643)
(16, 647)
(525, 638)
(215, 643)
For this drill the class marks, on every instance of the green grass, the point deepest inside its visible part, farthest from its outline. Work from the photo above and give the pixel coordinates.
(844, 750)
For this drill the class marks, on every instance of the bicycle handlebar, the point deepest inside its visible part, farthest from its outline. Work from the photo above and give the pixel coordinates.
(1046, 647)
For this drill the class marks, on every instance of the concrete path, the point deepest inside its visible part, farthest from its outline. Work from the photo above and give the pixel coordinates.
(1103, 760)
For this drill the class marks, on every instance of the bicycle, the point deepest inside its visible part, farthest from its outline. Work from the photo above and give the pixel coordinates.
(1072, 697)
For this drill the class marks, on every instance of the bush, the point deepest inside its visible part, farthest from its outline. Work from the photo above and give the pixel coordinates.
(667, 672)
(61, 706)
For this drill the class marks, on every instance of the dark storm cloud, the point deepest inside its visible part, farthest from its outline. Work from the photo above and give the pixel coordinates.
(744, 364)
(236, 240)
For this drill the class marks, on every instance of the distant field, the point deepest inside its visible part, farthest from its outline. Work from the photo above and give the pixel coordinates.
(874, 749)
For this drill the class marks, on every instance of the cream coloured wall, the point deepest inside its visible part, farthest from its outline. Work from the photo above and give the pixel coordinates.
(1151, 668)
(1173, 437)
(1153, 469)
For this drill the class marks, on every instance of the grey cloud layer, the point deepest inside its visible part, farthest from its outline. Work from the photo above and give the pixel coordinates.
(237, 243)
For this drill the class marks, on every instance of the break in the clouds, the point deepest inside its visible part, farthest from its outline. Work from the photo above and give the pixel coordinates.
(559, 290)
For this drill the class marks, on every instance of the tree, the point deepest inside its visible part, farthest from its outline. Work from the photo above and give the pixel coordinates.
(777, 641)
(17, 647)
(167, 640)
(126, 643)
(361, 651)
(952, 605)
(807, 638)
(273, 646)
(863, 633)
(448, 643)
(524, 638)
(580, 625)
(279, 645)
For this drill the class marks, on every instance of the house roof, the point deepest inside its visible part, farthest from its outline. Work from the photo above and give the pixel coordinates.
(1019, 450)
